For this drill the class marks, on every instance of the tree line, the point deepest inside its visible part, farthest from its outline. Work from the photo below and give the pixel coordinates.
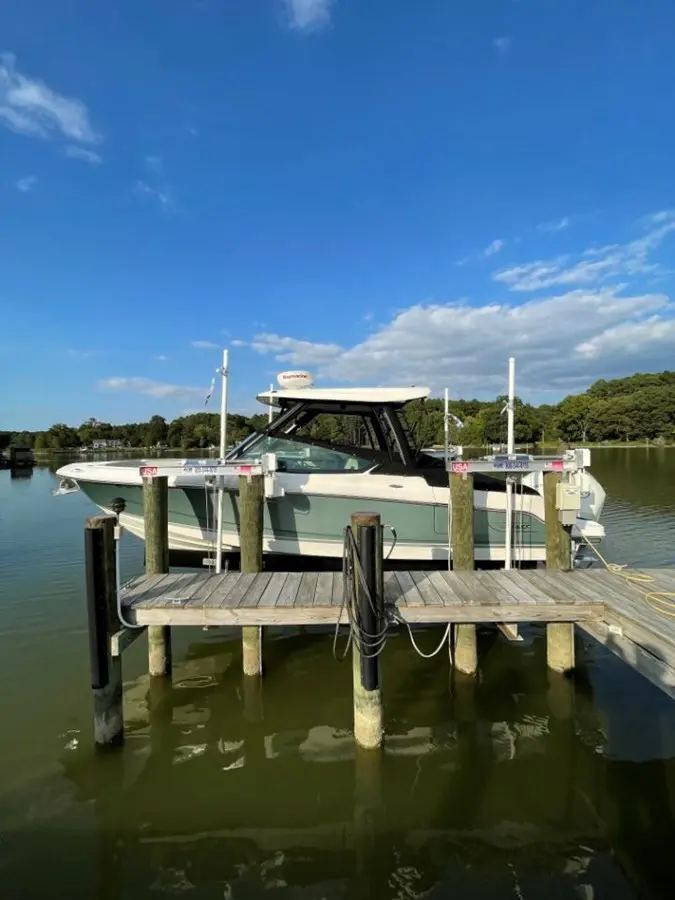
(636, 408)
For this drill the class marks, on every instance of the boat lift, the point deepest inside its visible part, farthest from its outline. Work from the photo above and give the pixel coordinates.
(512, 464)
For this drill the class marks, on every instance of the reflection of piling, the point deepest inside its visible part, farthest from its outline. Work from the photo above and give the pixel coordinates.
(106, 670)
(367, 808)
(156, 517)
(368, 587)
(251, 507)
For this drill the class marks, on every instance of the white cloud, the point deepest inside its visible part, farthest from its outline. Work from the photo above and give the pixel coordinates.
(89, 156)
(558, 225)
(561, 344)
(162, 194)
(161, 358)
(308, 15)
(562, 339)
(28, 106)
(291, 350)
(502, 44)
(657, 218)
(149, 388)
(495, 247)
(590, 267)
(26, 184)
(204, 345)
(80, 354)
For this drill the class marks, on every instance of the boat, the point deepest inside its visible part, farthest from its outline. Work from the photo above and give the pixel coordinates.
(371, 464)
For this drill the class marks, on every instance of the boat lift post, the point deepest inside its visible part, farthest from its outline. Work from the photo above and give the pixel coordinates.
(223, 372)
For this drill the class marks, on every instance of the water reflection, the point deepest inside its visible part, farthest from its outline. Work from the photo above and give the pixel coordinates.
(508, 795)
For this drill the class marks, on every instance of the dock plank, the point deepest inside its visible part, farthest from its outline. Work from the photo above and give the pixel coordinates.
(324, 589)
(525, 588)
(307, 589)
(256, 590)
(427, 590)
(217, 598)
(476, 590)
(289, 591)
(141, 589)
(393, 593)
(238, 592)
(409, 589)
(338, 589)
(270, 595)
(459, 588)
(179, 590)
(201, 594)
(497, 588)
(444, 588)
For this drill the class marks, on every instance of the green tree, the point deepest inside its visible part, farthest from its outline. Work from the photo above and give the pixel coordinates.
(573, 417)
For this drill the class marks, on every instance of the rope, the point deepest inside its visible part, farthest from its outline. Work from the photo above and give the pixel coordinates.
(662, 602)
(368, 644)
(401, 621)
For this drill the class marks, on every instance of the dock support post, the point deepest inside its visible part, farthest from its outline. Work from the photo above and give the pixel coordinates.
(558, 539)
(560, 646)
(156, 518)
(106, 670)
(366, 669)
(461, 521)
(251, 508)
(559, 635)
(463, 649)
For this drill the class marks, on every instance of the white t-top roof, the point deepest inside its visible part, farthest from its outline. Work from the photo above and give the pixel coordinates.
(397, 396)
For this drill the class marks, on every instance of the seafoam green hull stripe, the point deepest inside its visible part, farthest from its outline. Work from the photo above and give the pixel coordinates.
(297, 517)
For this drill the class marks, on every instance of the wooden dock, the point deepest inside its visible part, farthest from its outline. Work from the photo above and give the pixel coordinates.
(606, 606)
(631, 613)
(316, 598)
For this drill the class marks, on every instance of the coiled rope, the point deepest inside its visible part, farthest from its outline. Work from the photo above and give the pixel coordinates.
(662, 602)
(369, 645)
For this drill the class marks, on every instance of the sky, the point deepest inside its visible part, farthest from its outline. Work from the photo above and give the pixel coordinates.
(379, 191)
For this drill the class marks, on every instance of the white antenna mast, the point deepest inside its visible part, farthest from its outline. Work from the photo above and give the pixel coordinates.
(510, 449)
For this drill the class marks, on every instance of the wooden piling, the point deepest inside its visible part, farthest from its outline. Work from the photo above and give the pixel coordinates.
(560, 646)
(251, 509)
(558, 539)
(465, 653)
(156, 519)
(463, 642)
(559, 635)
(461, 521)
(106, 670)
(366, 658)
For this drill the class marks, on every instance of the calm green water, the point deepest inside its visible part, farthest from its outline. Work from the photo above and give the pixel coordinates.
(518, 786)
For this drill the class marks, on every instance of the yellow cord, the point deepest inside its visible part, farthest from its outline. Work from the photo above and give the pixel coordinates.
(662, 602)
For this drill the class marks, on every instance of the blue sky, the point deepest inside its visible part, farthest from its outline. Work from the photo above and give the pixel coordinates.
(378, 190)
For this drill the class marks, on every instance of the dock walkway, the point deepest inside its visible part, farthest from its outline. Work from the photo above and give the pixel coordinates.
(315, 598)
(603, 604)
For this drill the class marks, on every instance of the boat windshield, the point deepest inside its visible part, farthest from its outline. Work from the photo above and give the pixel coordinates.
(298, 456)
